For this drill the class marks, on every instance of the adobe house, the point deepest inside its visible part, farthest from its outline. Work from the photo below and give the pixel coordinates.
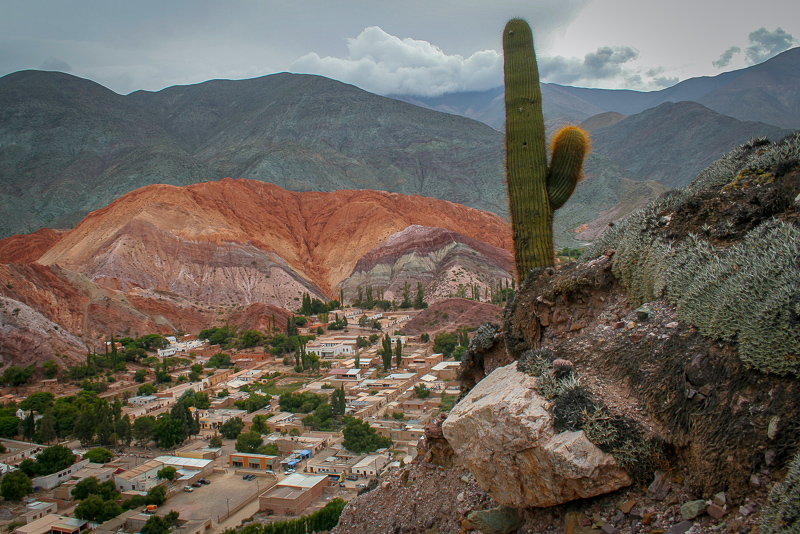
(293, 495)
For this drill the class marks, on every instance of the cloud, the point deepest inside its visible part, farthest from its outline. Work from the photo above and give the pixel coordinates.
(665, 81)
(725, 58)
(55, 64)
(765, 44)
(605, 63)
(385, 64)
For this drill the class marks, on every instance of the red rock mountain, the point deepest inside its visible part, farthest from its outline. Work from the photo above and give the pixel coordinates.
(166, 258)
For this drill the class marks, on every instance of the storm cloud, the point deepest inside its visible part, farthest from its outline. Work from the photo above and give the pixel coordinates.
(725, 58)
(604, 63)
(385, 64)
(765, 44)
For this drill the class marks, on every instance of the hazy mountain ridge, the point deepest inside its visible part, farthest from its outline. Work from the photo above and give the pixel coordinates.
(673, 142)
(768, 92)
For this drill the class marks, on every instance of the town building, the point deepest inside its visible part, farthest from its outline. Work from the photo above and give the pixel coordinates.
(293, 494)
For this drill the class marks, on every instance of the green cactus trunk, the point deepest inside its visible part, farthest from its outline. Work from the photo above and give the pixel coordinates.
(526, 157)
(534, 191)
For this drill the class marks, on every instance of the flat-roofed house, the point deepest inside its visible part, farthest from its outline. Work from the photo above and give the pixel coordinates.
(293, 494)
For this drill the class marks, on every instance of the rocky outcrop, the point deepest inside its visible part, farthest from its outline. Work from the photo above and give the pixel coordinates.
(26, 336)
(21, 248)
(445, 261)
(503, 432)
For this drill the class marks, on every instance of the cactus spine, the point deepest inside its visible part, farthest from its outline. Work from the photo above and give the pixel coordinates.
(534, 190)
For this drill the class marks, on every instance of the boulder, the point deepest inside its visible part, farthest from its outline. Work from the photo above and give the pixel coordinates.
(503, 433)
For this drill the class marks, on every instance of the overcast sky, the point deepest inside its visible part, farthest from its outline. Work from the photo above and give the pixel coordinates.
(423, 47)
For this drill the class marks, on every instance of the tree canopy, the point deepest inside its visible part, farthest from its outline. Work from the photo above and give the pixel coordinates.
(360, 437)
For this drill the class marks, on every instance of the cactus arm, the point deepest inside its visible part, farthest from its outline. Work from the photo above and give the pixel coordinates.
(526, 158)
(570, 145)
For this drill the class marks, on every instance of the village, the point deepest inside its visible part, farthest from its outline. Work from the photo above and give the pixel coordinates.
(215, 487)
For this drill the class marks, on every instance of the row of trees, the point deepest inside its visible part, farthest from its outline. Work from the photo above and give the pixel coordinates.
(375, 298)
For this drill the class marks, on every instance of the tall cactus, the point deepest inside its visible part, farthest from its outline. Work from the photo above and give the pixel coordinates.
(534, 190)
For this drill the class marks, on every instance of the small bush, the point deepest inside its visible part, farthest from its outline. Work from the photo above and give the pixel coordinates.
(782, 512)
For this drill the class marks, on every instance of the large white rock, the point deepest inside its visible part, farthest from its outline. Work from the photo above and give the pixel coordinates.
(504, 434)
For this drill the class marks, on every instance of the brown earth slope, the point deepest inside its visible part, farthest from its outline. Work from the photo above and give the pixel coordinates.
(242, 241)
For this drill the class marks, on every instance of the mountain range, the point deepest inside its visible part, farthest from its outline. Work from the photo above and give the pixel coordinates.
(768, 92)
(69, 146)
(166, 258)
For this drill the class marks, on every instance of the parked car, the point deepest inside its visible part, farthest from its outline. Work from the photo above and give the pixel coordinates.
(361, 485)
(352, 477)
(196, 484)
(269, 472)
(204, 481)
(188, 489)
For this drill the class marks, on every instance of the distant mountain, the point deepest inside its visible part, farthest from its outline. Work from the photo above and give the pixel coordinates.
(559, 107)
(70, 145)
(673, 142)
(768, 92)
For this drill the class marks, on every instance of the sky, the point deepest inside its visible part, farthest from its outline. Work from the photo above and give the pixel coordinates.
(414, 47)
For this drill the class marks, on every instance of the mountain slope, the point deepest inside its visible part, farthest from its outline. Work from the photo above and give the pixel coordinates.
(70, 145)
(443, 260)
(243, 241)
(672, 143)
(768, 92)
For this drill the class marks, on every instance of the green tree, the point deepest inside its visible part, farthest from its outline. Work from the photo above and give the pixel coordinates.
(386, 353)
(94, 508)
(140, 375)
(89, 486)
(406, 292)
(360, 437)
(52, 460)
(270, 449)
(47, 427)
(143, 429)
(445, 343)
(248, 442)
(168, 431)
(338, 402)
(220, 360)
(250, 338)
(422, 391)
(17, 376)
(39, 402)
(50, 369)
(160, 525)
(398, 353)
(424, 337)
(99, 455)
(146, 389)
(231, 428)
(9, 426)
(15, 485)
(215, 441)
(419, 299)
(260, 424)
(167, 473)
(157, 495)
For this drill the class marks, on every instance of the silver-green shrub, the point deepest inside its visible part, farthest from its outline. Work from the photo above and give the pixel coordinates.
(749, 292)
(781, 515)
